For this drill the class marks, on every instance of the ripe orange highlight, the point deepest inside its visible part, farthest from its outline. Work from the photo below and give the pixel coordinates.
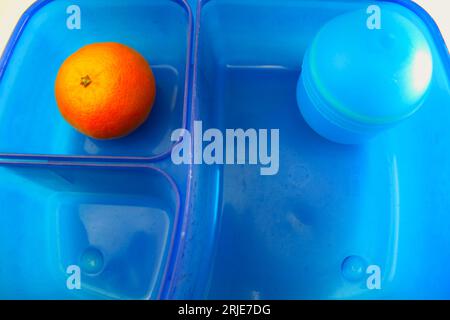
(105, 90)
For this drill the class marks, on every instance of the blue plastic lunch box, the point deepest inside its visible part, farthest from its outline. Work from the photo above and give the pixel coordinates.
(141, 227)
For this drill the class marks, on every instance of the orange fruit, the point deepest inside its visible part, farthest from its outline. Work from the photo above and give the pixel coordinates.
(105, 90)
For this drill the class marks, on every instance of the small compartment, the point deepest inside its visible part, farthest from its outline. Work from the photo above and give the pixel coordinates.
(30, 122)
(296, 234)
(114, 223)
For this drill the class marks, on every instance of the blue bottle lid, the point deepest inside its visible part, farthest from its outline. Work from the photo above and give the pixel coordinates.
(366, 79)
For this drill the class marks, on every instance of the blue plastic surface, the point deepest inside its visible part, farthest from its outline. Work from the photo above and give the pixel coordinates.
(181, 232)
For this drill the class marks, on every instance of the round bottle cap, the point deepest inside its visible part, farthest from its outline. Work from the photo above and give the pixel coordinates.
(368, 77)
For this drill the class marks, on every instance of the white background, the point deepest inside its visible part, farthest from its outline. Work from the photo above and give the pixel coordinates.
(10, 11)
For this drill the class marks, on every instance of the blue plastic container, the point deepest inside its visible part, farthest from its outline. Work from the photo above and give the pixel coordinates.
(139, 230)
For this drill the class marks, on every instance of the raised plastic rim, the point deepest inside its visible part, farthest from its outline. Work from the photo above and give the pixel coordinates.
(167, 290)
(9, 50)
(177, 215)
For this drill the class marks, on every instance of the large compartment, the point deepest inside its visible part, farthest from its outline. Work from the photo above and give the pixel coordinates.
(288, 236)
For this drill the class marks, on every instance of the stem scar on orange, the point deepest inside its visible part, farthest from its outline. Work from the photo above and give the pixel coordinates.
(105, 90)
